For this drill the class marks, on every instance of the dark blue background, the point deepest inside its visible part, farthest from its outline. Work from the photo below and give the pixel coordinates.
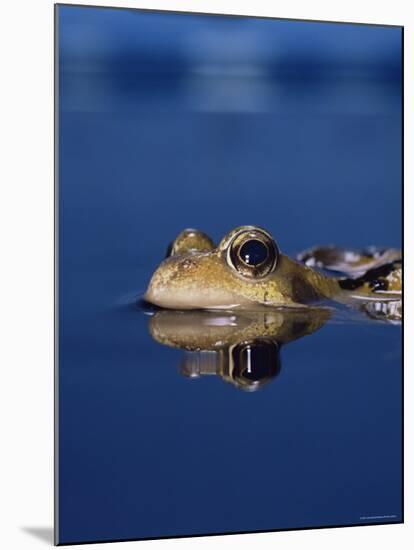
(168, 121)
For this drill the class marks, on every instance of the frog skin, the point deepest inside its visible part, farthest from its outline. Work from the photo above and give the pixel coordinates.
(248, 271)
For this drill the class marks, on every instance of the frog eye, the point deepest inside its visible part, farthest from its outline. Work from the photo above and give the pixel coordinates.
(253, 253)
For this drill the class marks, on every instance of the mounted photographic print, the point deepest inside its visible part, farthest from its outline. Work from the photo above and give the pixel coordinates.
(228, 274)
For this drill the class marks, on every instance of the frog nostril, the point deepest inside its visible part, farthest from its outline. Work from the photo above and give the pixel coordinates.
(187, 264)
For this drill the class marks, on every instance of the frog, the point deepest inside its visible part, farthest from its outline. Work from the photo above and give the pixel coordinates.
(247, 270)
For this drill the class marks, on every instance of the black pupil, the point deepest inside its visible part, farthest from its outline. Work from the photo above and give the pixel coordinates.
(256, 361)
(253, 252)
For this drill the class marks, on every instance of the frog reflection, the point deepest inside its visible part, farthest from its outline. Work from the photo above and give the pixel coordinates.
(242, 348)
(247, 365)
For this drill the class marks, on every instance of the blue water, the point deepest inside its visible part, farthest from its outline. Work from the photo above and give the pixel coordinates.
(170, 121)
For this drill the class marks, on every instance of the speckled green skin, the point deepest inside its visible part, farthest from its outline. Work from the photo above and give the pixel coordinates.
(199, 276)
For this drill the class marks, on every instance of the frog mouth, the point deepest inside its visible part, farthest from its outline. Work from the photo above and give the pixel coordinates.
(193, 298)
(193, 281)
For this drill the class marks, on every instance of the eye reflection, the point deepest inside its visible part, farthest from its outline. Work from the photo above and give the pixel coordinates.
(255, 363)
